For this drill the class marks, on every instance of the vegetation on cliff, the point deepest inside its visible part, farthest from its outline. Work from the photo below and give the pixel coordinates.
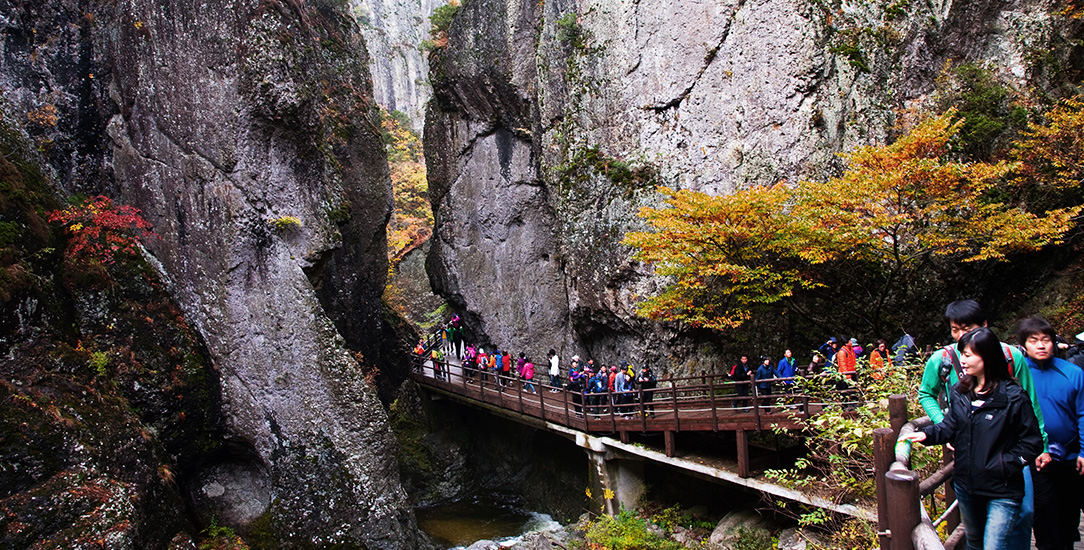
(411, 225)
(898, 223)
(107, 398)
(411, 222)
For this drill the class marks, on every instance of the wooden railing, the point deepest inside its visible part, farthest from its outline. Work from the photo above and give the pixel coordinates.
(902, 520)
(691, 403)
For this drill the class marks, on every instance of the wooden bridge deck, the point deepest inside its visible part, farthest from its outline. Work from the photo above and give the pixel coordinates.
(699, 403)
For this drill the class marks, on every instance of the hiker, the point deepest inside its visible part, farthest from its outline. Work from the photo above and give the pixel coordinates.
(555, 371)
(764, 376)
(647, 383)
(528, 375)
(993, 428)
(879, 360)
(739, 373)
(1056, 473)
(942, 372)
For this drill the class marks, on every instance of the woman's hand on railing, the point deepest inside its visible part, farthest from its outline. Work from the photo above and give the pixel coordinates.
(913, 436)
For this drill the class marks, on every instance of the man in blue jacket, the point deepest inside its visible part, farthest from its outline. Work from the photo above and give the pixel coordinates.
(1056, 473)
(785, 369)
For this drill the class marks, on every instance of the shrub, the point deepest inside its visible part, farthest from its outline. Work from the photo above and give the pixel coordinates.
(218, 537)
(672, 517)
(441, 17)
(625, 532)
(751, 539)
(283, 223)
(568, 30)
(992, 113)
(99, 361)
(100, 230)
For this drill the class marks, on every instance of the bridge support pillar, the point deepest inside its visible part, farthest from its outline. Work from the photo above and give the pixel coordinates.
(744, 470)
(615, 483)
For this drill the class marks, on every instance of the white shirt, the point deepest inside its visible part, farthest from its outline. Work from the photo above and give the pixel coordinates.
(555, 370)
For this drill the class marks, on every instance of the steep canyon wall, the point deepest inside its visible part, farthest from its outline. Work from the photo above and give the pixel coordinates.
(394, 31)
(247, 134)
(553, 122)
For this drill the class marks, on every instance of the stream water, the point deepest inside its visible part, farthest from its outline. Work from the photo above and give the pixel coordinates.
(463, 523)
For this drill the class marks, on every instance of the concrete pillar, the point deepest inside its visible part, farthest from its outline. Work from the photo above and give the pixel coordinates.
(628, 482)
(599, 484)
(614, 483)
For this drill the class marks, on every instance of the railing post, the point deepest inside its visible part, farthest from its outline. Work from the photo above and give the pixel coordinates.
(499, 385)
(897, 413)
(714, 414)
(883, 455)
(953, 519)
(565, 399)
(463, 375)
(613, 398)
(520, 393)
(541, 389)
(673, 399)
(903, 503)
(643, 411)
(756, 402)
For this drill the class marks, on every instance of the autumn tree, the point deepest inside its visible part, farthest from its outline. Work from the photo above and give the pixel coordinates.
(894, 209)
(1051, 158)
(411, 223)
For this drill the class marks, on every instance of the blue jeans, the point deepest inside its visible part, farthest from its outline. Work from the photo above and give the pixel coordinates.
(1020, 536)
(988, 521)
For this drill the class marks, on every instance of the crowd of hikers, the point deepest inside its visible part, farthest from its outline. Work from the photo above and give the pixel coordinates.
(596, 387)
(1013, 413)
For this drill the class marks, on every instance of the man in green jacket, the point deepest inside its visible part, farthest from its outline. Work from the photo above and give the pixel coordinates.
(940, 374)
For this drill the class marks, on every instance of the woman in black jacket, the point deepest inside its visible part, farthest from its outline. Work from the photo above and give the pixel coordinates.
(991, 424)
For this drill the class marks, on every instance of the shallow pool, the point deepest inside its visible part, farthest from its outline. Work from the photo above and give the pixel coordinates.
(463, 523)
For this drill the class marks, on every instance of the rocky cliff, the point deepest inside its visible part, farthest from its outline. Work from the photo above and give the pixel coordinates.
(552, 123)
(247, 134)
(394, 31)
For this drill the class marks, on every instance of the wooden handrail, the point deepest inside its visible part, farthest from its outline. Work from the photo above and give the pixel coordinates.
(681, 403)
(902, 521)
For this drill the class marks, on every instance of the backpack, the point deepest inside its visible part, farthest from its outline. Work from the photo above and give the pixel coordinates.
(738, 372)
(596, 384)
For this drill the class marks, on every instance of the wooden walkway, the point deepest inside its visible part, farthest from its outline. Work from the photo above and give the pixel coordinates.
(698, 403)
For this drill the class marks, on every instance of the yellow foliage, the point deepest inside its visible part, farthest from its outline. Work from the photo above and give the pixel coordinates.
(411, 222)
(895, 206)
(283, 223)
(1052, 154)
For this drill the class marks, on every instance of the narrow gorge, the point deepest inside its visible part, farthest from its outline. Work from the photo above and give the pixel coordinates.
(242, 368)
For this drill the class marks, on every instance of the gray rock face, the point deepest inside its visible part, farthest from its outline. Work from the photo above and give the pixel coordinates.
(245, 133)
(599, 101)
(233, 493)
(394, 30)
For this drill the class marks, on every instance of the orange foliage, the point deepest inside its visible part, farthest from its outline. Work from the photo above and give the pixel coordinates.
(100, 230)
(411, 223)
(895, 205)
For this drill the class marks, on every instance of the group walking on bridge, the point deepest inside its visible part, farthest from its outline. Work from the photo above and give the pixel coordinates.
(1015, 414)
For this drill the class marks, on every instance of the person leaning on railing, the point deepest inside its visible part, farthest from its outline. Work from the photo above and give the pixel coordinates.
(991, 424)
